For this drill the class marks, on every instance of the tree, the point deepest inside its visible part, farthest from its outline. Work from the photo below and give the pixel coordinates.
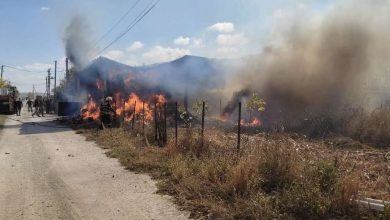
(255, 103)
(4, 83)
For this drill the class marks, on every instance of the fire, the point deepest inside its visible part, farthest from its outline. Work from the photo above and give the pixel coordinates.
(224, 117)
(254, 122)
(132, 106)
(91, 110)
(127, 107)
(160, 100)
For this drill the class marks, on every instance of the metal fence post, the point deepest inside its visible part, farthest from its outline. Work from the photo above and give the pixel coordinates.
(239, 126)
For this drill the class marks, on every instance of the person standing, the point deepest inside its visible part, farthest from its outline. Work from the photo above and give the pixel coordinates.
(105, 113)
(18, 105)
(41, 106)
(29, 105)
(36, 108)
(47, 105)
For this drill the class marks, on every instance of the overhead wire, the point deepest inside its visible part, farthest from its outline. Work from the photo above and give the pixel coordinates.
(25, 70)
(118, 22)
(140, 16)
(152, 4)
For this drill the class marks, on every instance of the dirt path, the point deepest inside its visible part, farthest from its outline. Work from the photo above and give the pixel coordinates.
(52, 173)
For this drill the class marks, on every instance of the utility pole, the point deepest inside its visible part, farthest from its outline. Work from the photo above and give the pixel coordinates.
(66, 69)
(33, 91)
(55, 78)
(2, 70)
(48, 83)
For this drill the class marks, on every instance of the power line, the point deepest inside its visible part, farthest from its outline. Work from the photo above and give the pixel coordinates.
(118, 22)
(135, 22)
(24, 70)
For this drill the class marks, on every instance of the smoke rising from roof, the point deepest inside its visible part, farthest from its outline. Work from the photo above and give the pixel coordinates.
(78, 42)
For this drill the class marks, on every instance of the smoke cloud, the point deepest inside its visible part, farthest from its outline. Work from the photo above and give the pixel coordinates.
(77, 39)
(323, 65)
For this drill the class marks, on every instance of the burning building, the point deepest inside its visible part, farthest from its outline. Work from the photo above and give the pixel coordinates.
(182, 80)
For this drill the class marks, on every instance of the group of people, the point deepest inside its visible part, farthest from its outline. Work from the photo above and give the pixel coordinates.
(38, 105)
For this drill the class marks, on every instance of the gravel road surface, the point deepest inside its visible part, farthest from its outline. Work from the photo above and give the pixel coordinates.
(49, 172)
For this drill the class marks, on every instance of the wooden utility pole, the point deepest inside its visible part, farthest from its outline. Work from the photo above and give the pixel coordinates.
(48, 83)
(2, 70)
(67, 69)
(55, 78)
(33, 91)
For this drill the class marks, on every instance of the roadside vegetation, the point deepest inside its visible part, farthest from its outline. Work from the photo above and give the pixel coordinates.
(273, 176)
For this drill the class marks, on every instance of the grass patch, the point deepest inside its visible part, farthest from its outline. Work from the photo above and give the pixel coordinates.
(268, 179)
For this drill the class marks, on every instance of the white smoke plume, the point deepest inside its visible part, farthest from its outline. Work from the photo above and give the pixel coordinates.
(339, 60)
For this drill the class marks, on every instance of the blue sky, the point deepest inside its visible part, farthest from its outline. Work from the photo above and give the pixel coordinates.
(32, 30)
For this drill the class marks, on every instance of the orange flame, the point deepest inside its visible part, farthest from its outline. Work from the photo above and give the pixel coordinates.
(90, 110)
(131, 107)
(160, 100)
(224, 117)
(134, 107)
(255, 122)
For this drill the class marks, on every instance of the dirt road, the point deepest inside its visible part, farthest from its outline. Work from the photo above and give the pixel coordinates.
(49, 172)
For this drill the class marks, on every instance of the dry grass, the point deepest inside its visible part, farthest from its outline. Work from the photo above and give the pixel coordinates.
(369, 127)
(271, 177)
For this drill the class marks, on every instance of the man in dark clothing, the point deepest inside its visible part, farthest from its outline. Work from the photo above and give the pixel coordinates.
(41, 106)
(29, 105)
(47, 105)
(36, 108)
(105, 113)
(18, 106)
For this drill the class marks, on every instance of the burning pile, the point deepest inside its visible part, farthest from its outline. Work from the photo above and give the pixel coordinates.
(90, 110)
(129, 107)
(255, 122)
